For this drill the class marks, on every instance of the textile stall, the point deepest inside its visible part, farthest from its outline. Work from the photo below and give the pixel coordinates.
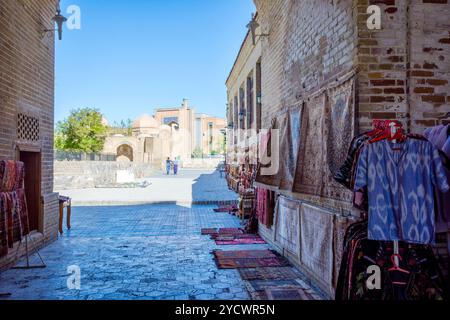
(13, 206)
(398, 180)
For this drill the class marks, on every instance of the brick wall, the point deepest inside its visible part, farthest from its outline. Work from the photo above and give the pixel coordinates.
(27, 86)
(402, 70)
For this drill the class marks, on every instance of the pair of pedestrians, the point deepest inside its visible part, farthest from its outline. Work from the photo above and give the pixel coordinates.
(171, 165)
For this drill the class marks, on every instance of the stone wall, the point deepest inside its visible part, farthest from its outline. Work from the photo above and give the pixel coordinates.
(92, 174)
(27, 87)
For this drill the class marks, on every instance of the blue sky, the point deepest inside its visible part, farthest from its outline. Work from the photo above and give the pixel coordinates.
(133, 56)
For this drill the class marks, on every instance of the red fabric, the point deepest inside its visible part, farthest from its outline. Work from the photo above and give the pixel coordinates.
(265, 205)
(12, 174)
(13, 206)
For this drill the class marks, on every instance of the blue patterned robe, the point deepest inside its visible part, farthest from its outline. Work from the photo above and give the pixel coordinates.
(400, 186)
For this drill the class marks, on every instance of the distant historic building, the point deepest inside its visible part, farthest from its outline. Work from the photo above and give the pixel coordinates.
(172, 132)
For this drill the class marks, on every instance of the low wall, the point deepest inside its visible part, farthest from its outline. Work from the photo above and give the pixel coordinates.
(91, 174)
(199, 163)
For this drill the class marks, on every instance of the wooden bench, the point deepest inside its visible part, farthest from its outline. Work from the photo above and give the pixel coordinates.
(64, 202)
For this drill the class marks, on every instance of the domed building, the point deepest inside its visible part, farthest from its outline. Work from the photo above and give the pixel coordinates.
(172, 132)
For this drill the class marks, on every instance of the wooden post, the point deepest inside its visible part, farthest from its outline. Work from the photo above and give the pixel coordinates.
(69, 212)
(61, 214)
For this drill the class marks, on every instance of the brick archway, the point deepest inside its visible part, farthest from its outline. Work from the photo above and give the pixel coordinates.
(126, 151)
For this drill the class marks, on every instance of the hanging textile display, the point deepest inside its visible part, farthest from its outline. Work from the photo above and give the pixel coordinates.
(13, 207)
(3, 229)
(317, 255)
(339, 129)
(286, 227)
(339, 123)
(290, 133)
(400, 180)
(265, 174)
(341, 224)
(12, 174)
(265, 206)
(310, 170)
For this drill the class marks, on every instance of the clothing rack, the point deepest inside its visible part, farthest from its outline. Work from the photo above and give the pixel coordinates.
(27, 251)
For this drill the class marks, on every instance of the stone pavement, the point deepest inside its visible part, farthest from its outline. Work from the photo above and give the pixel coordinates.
(190, 186)
(133, 252)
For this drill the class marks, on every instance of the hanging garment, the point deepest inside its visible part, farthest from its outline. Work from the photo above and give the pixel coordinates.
(422, 281)
(344, 174)
(439, 137)
(400, 180)
(3, 229)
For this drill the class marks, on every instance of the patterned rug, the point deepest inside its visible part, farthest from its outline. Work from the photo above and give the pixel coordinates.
(236, 263)
(221, 231)
(239, 241)
(278, 290)
(209, 231)
(268, 273)
(287, 293)
(247, 259)
(244, 254)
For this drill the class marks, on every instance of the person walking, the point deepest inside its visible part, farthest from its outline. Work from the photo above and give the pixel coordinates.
(168, 165)
(175, 166)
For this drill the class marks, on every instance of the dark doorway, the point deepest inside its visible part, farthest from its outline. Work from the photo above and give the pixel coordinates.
(126, 151)
(32, 161)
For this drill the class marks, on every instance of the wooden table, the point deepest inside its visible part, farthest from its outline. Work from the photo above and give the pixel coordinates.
(64, 202)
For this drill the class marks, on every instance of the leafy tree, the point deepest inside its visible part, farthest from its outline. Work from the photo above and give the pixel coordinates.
(197, 153)
(82, 131)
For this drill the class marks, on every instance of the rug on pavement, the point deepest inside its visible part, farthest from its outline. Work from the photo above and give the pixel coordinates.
(215, 232)
(278, 290)
(287, 293)
(208, 231)
(240, 241)
(244, 254)
(226, 208)
(261, 285)
(236, 263)
(237, 239)
(248, 259)
(268, 273)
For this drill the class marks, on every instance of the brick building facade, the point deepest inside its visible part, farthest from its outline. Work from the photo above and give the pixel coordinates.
(27, 57)
(399, 72)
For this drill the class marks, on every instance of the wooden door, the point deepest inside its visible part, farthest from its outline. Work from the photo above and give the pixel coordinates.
(32, 161)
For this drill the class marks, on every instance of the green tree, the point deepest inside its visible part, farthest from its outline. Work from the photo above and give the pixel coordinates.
(197, 153)
(82, 131)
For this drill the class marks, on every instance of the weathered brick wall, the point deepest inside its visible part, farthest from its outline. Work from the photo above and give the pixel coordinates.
(27, 86)
(310, 44)
(402, 70)
(404, 67)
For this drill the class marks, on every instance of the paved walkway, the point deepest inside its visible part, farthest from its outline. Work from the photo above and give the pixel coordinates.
(133, 252)
(190, 186)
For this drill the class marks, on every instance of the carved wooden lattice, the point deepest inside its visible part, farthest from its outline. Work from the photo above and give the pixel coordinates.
(28, 128)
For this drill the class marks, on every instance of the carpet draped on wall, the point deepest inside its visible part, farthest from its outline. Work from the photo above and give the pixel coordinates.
(286, 227)
(317, 238)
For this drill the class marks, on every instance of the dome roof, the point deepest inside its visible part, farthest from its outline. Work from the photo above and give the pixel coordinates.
(145, 121)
